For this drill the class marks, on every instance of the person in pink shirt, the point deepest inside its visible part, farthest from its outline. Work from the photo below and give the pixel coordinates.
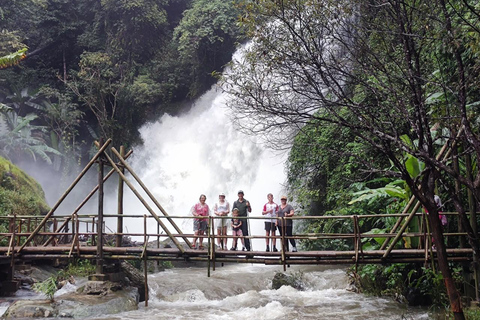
(200, 225)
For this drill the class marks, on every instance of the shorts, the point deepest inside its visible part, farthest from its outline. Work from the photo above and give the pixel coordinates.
(200, 225)
(219, 223)
(270, 226)
(237, 233)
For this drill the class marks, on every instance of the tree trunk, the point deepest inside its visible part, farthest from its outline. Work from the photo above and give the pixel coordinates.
(453, 295)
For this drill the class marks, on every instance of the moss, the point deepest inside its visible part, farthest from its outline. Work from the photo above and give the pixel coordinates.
(19, 193)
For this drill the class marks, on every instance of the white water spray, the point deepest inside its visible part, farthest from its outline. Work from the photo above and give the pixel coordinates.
(201, 152)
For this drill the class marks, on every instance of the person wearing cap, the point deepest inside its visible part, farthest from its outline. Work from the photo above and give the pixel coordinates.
(285, 226)
(221, 209)
(243, 206)
(270, 212)
(200, 224)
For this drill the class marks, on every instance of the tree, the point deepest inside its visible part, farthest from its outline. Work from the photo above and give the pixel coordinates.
(206, 38)
(382, 69)
(135, 29)
(98, 85)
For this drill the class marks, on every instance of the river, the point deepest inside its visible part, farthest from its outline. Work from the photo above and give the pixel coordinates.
(244, 292)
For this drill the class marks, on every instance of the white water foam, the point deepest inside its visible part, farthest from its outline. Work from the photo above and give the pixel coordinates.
(201, 152)
(244, 292)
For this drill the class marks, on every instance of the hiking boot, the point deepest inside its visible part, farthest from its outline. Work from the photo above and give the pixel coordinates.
(268, 249)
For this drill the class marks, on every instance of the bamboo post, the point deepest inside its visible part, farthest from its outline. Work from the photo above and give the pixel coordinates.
(145, 258)
(140, 182)
(283, 244)
(158, 241)
(11, 246)
(19, 229)
(145, 204)
(99, 266)
(55, 226)
(119, 239)
(355, 240)
(74, 238)
(94, 242)
(209, 247)
(78, 233)
(456, 168)
(70, 188)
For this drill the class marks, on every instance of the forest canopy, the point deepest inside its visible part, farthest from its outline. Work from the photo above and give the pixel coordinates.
(74, 72)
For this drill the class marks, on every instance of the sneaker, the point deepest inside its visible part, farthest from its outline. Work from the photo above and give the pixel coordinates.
(243, 249)
(275, 249)
(294, 249)
(268, 249)
(232, 249)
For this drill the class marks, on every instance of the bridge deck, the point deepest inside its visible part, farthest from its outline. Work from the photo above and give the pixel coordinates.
(173, 254)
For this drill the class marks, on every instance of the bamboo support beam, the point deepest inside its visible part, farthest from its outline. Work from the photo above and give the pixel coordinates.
(70, 188)
(175, 241)
(87, 198)
(147, 191)
(412, 199)
(404, 227)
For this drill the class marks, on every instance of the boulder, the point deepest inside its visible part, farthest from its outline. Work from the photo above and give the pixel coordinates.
(77, 305)
(283, 279)
(31, 309)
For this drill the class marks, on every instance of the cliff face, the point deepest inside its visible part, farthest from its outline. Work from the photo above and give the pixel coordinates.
(19, 193)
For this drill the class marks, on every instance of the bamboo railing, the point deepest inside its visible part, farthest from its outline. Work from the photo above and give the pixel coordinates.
(77, 238)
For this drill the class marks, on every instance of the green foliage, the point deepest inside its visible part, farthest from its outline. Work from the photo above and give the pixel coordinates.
(20, 194)
(47, 287)
(12, 58)
(206, 38)
(134, 27)
(23, 137)
(398, 278)
(80, 268)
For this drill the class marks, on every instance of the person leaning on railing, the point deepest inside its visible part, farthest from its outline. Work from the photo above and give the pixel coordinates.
(286, 210)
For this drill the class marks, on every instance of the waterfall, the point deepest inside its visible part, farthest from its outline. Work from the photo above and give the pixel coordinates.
(202, 152)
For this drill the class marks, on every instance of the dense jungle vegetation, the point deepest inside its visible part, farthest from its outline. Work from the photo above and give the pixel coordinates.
(365, 93)
(95, 69)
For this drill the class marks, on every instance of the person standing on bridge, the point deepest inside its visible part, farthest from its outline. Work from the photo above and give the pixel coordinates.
(200, 224)
(243, 206)
(270, 211)
(221, 209)
(285, 226)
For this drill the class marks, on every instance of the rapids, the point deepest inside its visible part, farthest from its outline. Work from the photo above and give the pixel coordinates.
(244, 292)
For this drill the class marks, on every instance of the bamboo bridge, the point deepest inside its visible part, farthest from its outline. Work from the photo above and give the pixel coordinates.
(78, 236)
